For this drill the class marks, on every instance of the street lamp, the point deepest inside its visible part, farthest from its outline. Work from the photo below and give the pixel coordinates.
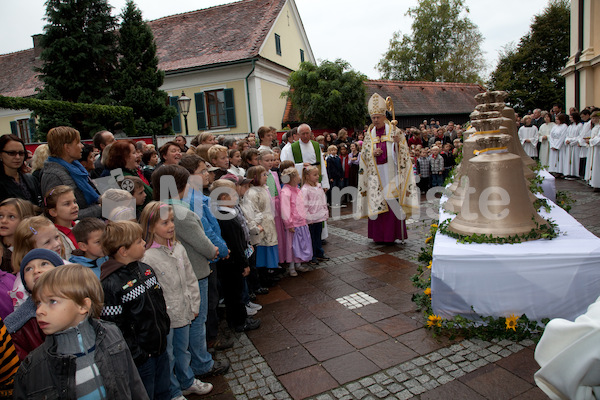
(184, 108)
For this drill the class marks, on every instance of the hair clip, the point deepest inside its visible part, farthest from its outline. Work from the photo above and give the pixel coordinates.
(285, 178)
(33, 230)
(48, 195)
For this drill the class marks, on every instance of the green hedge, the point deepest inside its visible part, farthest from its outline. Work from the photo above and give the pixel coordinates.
(41, 107)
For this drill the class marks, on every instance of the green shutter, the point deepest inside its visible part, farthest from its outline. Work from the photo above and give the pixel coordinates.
(277, 44)
(200, 111)
(31, 124)
(301, 55)
(229, 108)
(14, 129)
(176, 121)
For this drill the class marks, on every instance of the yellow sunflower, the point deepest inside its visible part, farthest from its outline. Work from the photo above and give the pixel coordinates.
(434, 320)
(429, 265)
(434, 225)
(428, 239)
(511, 322)
(427, 291)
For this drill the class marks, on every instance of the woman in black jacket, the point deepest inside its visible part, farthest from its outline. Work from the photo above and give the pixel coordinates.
(13, 181)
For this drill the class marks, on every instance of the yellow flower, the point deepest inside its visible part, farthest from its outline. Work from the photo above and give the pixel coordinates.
(434, 225)
(434, 320)
(427, 291)
(429, 265)
(511, 322)
(428, 239)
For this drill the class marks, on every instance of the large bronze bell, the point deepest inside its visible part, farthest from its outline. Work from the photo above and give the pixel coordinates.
(497, 199)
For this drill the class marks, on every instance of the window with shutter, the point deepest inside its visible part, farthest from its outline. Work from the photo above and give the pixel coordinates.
(215, 109)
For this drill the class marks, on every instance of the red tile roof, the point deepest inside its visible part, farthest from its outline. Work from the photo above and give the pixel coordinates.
(18, 78)
(416, 98)
(427, 98)
(220, 34)
(215, 35)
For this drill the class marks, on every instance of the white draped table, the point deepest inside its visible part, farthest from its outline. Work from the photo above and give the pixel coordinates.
(541, 278)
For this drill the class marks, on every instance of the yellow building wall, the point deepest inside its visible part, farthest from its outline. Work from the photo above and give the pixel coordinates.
(273, 103)
(291, 41)
(240, 101)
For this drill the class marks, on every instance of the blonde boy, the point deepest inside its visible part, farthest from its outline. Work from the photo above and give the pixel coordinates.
(69, 299)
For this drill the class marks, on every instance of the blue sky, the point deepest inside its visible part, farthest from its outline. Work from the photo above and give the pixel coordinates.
(353, 30)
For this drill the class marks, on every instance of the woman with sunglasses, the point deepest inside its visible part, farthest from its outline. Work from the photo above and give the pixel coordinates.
(13, 181)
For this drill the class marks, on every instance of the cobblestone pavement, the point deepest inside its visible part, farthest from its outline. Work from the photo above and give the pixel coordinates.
(312, 346)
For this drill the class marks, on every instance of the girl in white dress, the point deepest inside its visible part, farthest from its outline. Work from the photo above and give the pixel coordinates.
(557, 142)
(543, 138)
(571, 150)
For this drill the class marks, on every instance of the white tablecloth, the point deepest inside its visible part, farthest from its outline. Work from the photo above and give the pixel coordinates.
(541, 278)
(548, 185)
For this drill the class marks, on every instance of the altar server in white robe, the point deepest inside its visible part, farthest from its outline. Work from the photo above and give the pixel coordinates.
(570, 161)
(569, 357)
(528, 135)
(584, 144)
(543, 138)
(557, 143)
(594, 153)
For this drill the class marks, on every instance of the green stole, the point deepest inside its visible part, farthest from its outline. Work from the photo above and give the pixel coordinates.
(272, 185)
(297, 153)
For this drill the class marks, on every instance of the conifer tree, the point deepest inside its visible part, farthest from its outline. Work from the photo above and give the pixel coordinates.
(137, 79)
(78, 57)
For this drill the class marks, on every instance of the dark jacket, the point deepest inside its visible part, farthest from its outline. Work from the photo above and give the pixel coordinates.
(334, 167)
(47, 375)
(10, 188)
(133, 299)
(55, 174)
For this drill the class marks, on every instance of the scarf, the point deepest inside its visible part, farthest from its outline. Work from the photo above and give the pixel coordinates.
(20, 316)
(81, 178)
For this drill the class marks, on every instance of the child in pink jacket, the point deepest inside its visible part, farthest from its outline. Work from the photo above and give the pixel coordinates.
(317, 212)
(298, 245)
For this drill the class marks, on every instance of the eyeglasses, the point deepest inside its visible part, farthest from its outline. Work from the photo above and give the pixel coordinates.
(14, 153)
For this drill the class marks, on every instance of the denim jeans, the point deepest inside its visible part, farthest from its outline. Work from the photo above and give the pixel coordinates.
(202, 361)
(155, 377)
(316, 231)
(182, 376)
(212, 318)
(437, 180)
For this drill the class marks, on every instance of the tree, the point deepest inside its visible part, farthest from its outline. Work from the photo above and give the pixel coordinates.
(444, 46)
(530, 72)
(138, 78)
(330, 95)
(78, 57)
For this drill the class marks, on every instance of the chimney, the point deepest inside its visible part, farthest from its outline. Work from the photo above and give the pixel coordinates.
(37, 47)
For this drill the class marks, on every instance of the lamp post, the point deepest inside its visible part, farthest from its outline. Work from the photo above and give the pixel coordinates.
(184, 108)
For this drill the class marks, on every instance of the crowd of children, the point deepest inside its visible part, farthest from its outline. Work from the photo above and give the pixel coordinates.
(131, 302)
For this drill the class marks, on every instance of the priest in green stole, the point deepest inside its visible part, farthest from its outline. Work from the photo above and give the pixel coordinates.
(387, 192)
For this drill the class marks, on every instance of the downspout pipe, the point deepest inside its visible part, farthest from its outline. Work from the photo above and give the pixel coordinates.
(248, 92)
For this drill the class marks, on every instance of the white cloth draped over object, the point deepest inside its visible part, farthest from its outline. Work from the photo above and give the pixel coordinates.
(569, 356)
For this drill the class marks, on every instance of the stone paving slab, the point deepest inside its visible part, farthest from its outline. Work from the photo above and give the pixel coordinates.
(468, 369)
